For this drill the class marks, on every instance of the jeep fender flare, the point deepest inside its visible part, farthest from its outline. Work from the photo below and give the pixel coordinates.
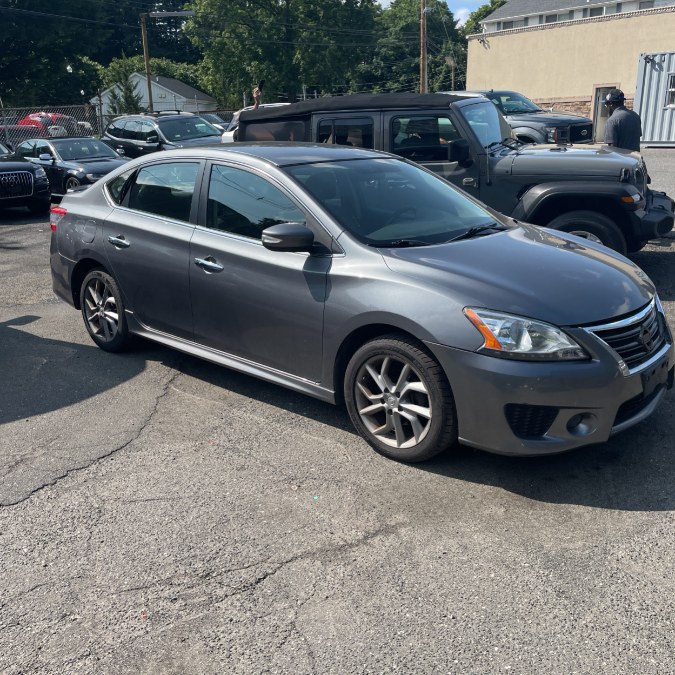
(539, 197)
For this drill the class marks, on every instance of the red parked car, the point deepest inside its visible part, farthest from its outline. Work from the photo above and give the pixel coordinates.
(51, 124)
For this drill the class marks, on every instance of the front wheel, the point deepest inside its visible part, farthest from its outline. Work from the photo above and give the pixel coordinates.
(399, 400)
(103, 311)
(592, 226)
(71, 183)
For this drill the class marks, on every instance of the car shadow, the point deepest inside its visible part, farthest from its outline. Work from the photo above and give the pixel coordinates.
(41, 375)
(633, 471)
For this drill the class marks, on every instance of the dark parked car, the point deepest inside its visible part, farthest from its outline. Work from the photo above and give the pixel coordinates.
(216, 120)
(533, 124)
(137, 135)
(71, 162)
(23, 184)
(357, 276)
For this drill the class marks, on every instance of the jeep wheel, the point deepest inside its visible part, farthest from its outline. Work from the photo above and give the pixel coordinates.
(592, 226)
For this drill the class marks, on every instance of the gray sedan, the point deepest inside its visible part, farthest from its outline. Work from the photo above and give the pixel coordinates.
(355, 276)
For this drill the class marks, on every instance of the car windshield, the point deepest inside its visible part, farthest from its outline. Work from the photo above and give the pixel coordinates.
(83, 148)
(511, 103)
(4, 150)
(486, 122)
(185, 128)
(389, 202)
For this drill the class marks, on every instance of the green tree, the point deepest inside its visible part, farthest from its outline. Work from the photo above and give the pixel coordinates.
(288, 43)
(472, 24)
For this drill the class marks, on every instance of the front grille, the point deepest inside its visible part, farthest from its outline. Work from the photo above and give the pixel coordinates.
(581, 133)
(637, 338)
(529, 421)
(16, 184)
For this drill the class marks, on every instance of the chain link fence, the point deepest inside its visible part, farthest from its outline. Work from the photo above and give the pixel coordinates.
(87, 119)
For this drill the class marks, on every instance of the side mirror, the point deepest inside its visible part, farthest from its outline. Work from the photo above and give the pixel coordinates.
(288, 237)
(152, 139)
(458, 151)
(45, 157)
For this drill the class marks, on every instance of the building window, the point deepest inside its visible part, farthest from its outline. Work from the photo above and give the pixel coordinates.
(596, 11)
(646, 4)
(670, 94)
(618, 8)
(507, 25)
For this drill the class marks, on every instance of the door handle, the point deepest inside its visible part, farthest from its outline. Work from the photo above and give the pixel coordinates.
(209, 264)
(469, 182)
(119, 241)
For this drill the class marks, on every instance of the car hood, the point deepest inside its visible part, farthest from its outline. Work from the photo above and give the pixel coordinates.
(548, 118)
(189, 142)
(533, 272)
(11, 163)
(568, 161)
(96, 166)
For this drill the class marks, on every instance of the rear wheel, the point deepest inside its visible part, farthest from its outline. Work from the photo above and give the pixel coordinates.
(592, 226)
(399, 400)
(103, 311)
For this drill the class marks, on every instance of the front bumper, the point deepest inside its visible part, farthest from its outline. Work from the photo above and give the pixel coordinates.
(528, 408)
(656, 218)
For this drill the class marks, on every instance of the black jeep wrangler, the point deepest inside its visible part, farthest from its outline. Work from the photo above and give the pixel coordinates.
(591, 190)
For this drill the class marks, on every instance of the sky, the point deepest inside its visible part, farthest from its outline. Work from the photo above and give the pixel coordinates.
(460, 8)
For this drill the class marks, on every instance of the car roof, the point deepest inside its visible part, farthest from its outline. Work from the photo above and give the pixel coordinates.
(354, 102)
(275, 152)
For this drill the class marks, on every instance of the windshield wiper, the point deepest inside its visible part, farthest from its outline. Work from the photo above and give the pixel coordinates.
(478, 229)
(494, 144)
(401, 243)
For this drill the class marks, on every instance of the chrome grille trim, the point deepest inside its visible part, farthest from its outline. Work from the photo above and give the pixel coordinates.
(16, 184)
(638, 340)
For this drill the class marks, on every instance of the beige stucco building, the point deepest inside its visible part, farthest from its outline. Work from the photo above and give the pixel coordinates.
(569, 63)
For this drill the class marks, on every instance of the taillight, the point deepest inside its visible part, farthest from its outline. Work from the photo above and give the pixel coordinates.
(55, 215)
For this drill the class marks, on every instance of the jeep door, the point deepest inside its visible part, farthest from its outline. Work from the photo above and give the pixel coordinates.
(432, 139)
(260, 305)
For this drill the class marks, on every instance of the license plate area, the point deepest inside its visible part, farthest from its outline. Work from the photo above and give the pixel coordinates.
(654, 377)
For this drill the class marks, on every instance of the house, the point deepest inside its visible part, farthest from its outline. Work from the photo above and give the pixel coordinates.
(568, 54)
(167, 94)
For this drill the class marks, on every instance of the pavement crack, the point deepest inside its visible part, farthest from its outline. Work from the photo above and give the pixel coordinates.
(110, 453)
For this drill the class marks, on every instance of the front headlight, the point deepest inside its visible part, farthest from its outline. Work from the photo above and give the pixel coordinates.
(551, 134)
(517, 337)
(40, 172)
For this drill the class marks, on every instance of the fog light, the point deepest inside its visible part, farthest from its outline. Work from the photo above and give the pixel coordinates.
(582, 424)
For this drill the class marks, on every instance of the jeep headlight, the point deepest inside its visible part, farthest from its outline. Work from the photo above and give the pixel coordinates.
(518, 337)
(552, 134)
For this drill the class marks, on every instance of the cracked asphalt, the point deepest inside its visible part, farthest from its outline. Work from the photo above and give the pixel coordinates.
(159, 514)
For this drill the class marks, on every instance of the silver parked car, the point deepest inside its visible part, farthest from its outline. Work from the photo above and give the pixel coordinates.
(354, 275)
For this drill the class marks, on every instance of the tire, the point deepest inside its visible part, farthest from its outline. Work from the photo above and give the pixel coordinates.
(410, 423)
(593, 226)
(103, 311)
(71, 183)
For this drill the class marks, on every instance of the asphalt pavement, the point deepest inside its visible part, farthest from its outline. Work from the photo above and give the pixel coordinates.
(159, 514)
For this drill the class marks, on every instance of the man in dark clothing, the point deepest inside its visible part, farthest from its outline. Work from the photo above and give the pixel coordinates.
(623, 128)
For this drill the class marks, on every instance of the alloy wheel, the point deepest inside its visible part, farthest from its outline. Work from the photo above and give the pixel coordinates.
(100, 310)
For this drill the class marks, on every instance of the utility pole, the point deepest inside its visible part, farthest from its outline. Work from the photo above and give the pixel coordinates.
(146, 58)
(450, 60)
(424, 88)
(144, 38)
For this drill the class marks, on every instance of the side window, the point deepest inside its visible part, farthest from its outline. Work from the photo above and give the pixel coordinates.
(357, 132)
(289, 130)
(116, 129)
(132, 130)
(42, 148)
(26, 149)
(420, 138)
(245, 204)
(117, 187)
(165, 189)
(144, 129)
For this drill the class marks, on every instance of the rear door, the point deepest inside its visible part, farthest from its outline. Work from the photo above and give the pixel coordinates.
(147, 241)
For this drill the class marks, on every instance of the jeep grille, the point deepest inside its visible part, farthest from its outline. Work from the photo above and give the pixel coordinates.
(16, 184)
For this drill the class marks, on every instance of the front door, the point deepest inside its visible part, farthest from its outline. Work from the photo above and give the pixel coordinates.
(260, 305)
